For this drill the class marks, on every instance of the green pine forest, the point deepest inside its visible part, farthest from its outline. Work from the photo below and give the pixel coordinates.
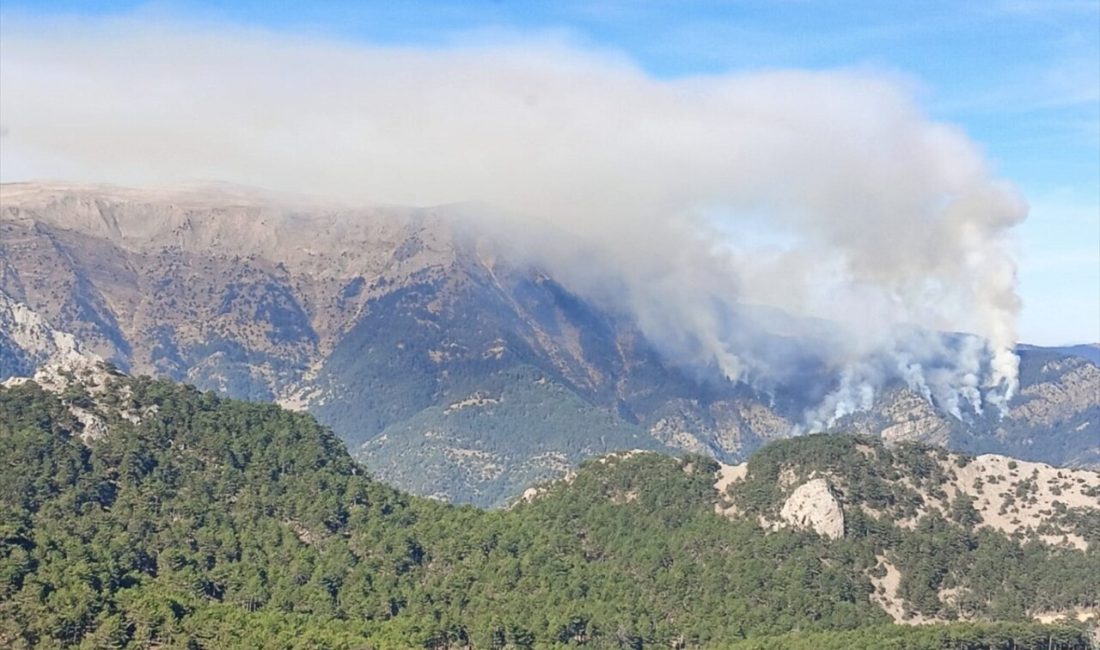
(213, 523)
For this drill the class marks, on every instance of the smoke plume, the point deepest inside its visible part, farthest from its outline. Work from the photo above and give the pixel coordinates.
(703, 205)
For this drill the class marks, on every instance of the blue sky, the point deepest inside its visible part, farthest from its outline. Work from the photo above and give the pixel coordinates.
(1022, 78)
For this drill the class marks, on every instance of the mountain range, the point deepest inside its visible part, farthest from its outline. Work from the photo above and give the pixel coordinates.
(449, 365)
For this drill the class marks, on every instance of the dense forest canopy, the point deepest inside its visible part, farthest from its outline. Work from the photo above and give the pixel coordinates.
(200, 522)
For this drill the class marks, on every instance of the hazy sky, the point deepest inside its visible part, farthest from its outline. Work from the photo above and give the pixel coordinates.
(1020, 78)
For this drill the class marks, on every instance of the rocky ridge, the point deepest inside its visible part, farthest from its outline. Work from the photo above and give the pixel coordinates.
(78, 378)
(1015, 497)
(840, 488)
(848, 489)
(28, 342)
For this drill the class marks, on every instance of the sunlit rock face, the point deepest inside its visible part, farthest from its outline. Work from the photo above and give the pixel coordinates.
(812, 506)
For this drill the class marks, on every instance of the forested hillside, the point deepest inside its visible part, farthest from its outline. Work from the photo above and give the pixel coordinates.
(192, 521)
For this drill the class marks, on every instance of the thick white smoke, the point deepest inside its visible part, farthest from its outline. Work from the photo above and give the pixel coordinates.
(823, 194)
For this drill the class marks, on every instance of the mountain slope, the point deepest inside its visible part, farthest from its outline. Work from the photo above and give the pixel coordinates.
(487, 447)
(377, 320)
(204, 522)
(1055, 418)
(379, 315)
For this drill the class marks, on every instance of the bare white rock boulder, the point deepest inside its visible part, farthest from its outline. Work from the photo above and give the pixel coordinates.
(812, 506)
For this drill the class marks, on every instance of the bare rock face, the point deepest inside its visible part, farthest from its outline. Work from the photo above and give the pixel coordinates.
(61, 363)
(59, 359)
(812, 506)
(31, 340)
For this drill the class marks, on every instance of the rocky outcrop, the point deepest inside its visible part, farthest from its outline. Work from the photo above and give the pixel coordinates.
(71, 369)
(812, 506)
(63, 367)
(27, 341)
(727, 477)
(80, 379)
(59, 360)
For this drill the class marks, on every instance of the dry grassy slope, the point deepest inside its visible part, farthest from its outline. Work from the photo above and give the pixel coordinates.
(1009, 495)
(1025, 500)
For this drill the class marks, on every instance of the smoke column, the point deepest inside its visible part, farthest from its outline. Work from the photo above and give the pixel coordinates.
(828, 195)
